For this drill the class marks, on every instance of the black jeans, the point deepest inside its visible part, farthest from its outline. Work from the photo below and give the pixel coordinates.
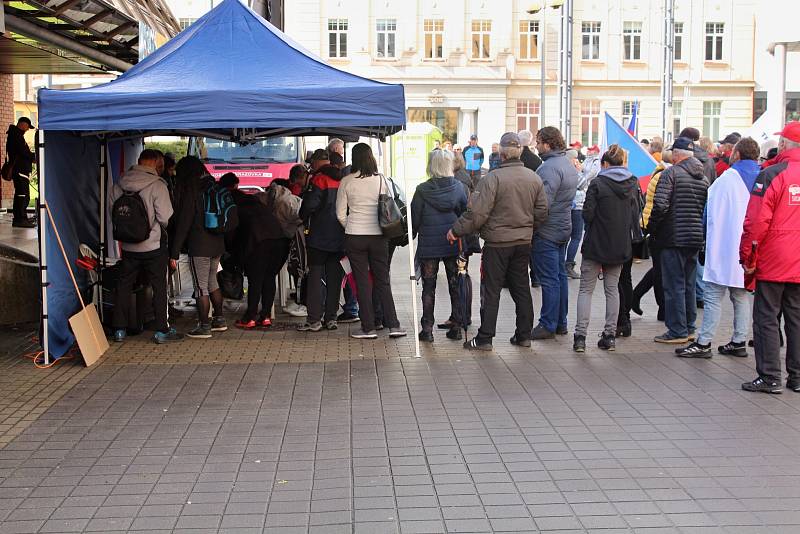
(430, 270)
(772, 299)
(22, 196)
(323, 265)
(499, 265)
(261, 268)
(155, 265)
(370, 253)
(625, 287)
(376, 302)
(652, 279)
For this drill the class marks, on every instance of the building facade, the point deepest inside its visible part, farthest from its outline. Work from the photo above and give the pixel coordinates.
(474, 66)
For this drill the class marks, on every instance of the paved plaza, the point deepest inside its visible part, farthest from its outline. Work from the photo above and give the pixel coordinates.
(282, 432)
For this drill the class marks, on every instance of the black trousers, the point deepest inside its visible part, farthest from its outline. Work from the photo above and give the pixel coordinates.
(323, 265)
(155, 265)
(22, 196)
(261, 268)
(652, 280)
(430, 271)
(772, 299)
(499, 265)
(370, 253)
(625, 293)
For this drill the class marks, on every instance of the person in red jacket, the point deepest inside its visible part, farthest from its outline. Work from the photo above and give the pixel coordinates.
(769, 253)
(723, 160)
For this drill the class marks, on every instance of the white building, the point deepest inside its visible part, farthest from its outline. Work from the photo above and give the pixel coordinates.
(474, 66)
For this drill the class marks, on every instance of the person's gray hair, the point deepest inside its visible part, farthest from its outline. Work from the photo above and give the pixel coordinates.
(335, 142)
(525, 137)
(440, 163)
(510, 152)
(679, 153)
(458, 162)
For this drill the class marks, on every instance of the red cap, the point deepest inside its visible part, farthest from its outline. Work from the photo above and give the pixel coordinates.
(791, 131)
(593, 148)
(576, 144)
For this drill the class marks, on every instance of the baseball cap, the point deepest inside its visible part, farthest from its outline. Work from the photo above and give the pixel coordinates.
(510, 139)
(682, 143)
(593, 148)
(791, 131)
(473, 137)
(731, 139)
(27, 121)
(576, 144)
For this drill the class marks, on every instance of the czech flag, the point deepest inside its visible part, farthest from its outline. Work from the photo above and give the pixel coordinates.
(640, 162)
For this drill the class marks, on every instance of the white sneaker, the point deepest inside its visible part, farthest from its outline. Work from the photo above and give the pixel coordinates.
(296, 310)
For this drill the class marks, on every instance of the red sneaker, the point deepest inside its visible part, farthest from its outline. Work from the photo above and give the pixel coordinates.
(246, 325)
(264, 323)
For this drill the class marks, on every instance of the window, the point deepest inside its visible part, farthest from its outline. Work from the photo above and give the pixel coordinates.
(387, 37)
(434, 37)
(714, 33)
(481, 33)
(632, 40)
(590, 122)
(677, 113)
(677, 43)
(445, 119)
(627, 112)
(185, 23)
(529, 39)
(711, 115)
(590, 40)
(528, 115)
(337, 37)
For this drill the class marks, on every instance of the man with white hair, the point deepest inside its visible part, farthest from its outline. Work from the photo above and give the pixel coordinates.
(676, 221)
(528, 158)
(337, 145)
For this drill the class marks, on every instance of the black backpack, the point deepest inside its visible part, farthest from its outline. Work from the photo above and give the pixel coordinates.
(129, 218)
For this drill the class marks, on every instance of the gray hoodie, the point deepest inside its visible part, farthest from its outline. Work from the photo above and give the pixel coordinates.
(560, 180)
(155, 195)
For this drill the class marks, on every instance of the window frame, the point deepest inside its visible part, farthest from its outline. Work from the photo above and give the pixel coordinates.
(590, 37)
(632, 40)
(337, 38)
(590, 112)
(484, 32)
(677, 117)
(528, 110)
(712, 119)
(677, 42)
(389, 35)
(436, 31)
(532, 39)
(714, 41)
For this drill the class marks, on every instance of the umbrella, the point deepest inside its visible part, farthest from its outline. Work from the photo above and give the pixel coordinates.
(464, 285)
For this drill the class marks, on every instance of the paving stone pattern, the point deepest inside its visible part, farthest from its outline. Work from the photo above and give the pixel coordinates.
(338, 436)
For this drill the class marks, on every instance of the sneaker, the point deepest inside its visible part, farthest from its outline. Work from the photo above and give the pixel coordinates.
(477, 344)
(331, 325)
(668, 338)
(378, 326)
(694, 350)
(571, 272)
(245, 325)
(201, 331)
(296, 310)
(345, 317)
(316, 326)
(426, 336)
(24, 224)
(520, 342)
(607, 342)
(167, 337)
(360, 334)
(793, 384)
(763, 385)
(540, 332)
(455, 334)
(562, 331)
(733, 349)
(120, 334)
(579, 343)
(396, 332)
(218, 324)
(264, 322)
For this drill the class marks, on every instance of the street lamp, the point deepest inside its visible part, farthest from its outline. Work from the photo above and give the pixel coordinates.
(533, 9)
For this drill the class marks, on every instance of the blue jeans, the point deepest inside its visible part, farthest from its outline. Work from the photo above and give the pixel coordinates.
(678, 274)
(577, 235)
(549, 263)
(699, 285)
(350, 302)
(712, 309)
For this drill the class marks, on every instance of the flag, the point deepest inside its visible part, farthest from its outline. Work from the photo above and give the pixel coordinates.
(632, 122)
(640, 162)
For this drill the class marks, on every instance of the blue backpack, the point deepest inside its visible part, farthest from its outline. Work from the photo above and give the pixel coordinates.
(219, 210)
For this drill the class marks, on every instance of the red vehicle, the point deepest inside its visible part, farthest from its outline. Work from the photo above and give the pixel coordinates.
(256, 164)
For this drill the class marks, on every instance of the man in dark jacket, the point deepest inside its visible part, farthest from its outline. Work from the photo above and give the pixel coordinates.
(705, 159)
(506, 207)
(21, 157)
(529, 159)
(771, 223)
(676, 221)
(560, 178)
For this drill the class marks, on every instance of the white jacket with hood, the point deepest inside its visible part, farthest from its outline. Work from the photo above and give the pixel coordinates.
(155, 195)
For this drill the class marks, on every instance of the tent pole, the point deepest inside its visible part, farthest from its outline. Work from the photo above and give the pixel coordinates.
(412, 277)
(45, 341)
(103, 184)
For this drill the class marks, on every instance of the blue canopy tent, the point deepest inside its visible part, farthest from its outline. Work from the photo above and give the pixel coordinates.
(230, 75)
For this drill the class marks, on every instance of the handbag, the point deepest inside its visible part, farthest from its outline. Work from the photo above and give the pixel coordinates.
(401, 240)
(7, 171)
(390, 218)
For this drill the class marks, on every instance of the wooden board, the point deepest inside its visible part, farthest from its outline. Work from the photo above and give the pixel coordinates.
(89, 334)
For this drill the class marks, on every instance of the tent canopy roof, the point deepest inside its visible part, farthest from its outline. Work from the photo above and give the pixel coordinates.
(230, 74)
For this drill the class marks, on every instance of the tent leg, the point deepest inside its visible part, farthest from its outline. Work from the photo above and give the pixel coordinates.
(102, 240)
(412, 277)
(45, 341)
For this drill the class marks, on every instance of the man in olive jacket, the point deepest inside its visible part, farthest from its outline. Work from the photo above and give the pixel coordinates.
(507, 206)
